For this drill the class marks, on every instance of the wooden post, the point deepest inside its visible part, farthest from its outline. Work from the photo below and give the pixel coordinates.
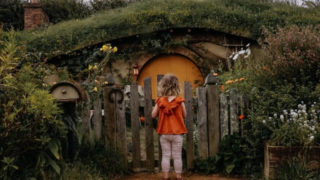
(97, 119)
(189, 124)
(135, 126)
(234, 121)
(224, 125)
(109, 113)
(148, 124)
(86, 125)
(202, 122)
(213, 114)
(121, 127)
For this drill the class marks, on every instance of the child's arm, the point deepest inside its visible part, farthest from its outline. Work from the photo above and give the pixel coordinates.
(155, 111)
(184, 112)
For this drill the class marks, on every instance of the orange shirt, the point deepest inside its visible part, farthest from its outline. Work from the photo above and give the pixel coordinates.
(170, 116)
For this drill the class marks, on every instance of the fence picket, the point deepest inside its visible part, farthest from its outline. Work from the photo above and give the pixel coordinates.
(189, 125)
(224, 129)
(97, 119)
(148, 124)
(234, 122)
(109, 118)
(213, 118)
(135, 126)
(121, 127)
(202, 122)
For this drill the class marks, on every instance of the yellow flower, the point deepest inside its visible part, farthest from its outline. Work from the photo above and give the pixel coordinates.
(104, 48)
(115, 49)
(90, 67)
(229, 82)
(95, 67)
(106, 82)
(54, 83)
(95, 89)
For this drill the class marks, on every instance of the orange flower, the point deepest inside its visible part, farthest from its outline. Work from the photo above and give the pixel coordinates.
(215, 74)
(242, 79)
(229, 82)
(222, 88)
(241, 116)
(265, 68)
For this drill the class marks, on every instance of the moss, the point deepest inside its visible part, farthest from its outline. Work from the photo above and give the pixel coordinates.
(238, 17)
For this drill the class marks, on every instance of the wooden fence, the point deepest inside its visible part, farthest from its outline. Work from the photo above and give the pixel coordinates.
(213, 113)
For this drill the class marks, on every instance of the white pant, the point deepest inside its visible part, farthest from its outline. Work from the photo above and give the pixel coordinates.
(171, 145)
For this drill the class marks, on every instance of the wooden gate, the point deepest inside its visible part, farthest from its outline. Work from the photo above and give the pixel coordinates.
(211, 115)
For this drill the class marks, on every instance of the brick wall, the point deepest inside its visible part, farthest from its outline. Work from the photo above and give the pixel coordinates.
(34, 15)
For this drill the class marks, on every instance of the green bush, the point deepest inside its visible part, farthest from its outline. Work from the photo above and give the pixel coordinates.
(30, 126)
(233, 158)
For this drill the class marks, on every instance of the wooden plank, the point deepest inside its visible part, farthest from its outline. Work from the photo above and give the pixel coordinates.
(109, 118)
(213, 118)
(159, 154)
(189, 125)
(86, 125)
(202, 122)
(234, 122)
(121, 128)
(224, 129)
(148, 124)
(135, 126)
(241, 111)
(97, 119)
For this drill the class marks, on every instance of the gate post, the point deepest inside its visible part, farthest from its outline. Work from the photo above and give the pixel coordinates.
(109, 113)
(213, 113)
(189, 124)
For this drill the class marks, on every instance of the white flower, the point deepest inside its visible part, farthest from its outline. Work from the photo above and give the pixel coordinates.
(311, 138)
(263, 121)
(281, 117)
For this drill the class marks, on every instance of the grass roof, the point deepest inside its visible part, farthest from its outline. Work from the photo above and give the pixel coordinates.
(244, 18)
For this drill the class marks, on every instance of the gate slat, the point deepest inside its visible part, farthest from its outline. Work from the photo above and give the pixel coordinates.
(149, 124)
(109, 118)
(234, 122)
(97, 119)
(213, 118)
(189, 125)
(121, 128)
(134, 107)
(223, 116)
(202, 122)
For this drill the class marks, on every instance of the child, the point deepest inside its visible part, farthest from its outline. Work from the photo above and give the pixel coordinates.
(171, 111)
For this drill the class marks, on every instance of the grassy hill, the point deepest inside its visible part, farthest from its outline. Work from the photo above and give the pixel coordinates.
(238, 17)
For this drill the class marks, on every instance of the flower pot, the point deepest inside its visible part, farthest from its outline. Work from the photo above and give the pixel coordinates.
(274, 155)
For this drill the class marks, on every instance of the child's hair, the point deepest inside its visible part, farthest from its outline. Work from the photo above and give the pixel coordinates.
(169, 85)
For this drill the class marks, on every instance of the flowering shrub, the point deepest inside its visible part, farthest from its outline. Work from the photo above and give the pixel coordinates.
(295, 127)
(293, 52)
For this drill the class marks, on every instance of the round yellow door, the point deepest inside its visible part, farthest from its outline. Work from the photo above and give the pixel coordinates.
(180, 66)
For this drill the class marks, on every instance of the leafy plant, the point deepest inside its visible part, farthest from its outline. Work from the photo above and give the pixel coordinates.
(296, 168)
(30, 126)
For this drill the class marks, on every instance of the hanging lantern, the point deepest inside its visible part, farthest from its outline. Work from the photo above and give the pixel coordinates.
(135, 70)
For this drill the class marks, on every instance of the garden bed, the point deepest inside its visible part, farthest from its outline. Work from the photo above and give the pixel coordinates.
(275, 155)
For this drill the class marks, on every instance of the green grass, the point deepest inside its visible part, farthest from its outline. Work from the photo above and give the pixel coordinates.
(238, 17)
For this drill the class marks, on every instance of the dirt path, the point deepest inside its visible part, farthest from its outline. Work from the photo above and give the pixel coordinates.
(157, 176)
